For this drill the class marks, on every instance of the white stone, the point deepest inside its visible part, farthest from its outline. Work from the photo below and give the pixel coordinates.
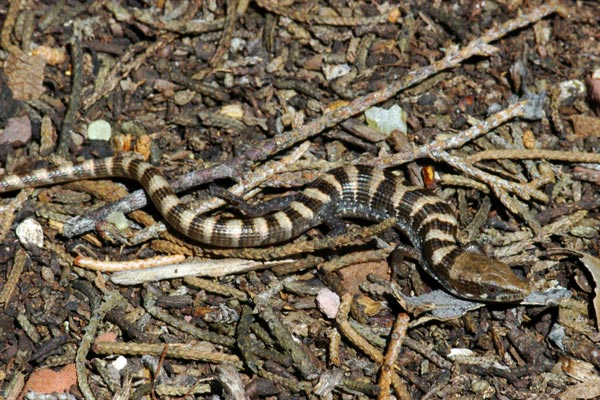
(30, 233)
(99, 130)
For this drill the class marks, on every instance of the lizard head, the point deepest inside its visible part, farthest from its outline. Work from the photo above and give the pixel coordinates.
(482, 278)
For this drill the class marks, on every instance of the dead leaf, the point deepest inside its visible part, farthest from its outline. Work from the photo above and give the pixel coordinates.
(354, 275)
(46, 380)
(25, 75)
(436, 305)
(584, 126)
(586, 390)
(17, 131)
(584, 372)
(52, 55)
(593, 265)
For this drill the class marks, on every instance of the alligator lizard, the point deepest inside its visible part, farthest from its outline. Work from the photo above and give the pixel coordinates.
(351, 191)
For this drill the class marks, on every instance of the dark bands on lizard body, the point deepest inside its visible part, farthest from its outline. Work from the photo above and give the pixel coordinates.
(352, 191)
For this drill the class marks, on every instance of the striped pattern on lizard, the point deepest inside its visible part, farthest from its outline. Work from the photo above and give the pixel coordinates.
(352, 191)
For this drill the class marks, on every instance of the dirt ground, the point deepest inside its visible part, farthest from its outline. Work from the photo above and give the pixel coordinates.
(493, 105)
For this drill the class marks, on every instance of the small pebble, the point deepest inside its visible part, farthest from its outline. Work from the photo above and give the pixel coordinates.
(570, 90)
(335, 71)
(386, 121)
(30, 233)
(119, 363)
(99, 130)
(328, 302)
(47, 274)
(119, 220)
